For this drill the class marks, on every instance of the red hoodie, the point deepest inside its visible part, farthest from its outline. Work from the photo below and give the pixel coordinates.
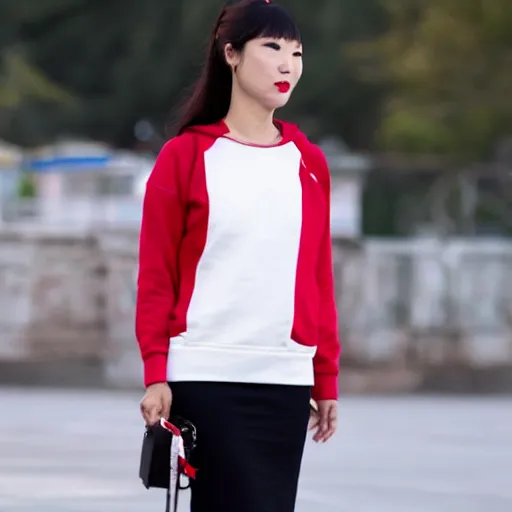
(235, 270)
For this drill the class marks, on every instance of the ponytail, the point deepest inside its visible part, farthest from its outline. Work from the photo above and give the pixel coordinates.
(211, 95)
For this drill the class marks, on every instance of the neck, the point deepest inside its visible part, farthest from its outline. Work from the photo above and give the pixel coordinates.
(249, 122)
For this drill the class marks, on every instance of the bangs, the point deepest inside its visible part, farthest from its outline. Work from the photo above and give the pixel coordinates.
(276, 23)
(271, 21)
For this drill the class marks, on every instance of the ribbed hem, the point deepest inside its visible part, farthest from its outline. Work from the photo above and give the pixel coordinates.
(325, 388)
(221, 364)
(155, 369)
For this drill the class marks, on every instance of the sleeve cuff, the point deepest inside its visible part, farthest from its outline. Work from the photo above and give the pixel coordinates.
(155, 369)
(325, 388)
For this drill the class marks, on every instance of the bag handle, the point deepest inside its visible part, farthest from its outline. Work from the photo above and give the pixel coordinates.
(178, 465)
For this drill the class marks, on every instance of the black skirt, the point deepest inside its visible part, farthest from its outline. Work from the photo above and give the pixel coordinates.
(250, 442)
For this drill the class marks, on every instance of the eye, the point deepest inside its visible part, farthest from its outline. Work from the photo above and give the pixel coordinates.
(297, 54)
(274, 46)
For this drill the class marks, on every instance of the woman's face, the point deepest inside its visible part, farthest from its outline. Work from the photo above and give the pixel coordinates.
(267, 69)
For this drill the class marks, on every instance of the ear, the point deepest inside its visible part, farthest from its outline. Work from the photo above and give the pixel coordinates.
(232, 56)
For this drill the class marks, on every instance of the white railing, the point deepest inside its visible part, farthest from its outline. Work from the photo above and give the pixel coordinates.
(82, 211)
(423, 295)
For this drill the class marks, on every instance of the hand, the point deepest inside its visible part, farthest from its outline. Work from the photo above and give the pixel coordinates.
(325, 421)
(156, 403)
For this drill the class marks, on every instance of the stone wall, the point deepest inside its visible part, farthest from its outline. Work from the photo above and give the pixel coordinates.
(413, 315)
(122, 362)
(52, 303)
(427, 314)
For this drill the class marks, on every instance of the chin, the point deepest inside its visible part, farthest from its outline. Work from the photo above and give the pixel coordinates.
(276, 103)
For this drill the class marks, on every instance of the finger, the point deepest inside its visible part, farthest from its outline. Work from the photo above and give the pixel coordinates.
(332, 423)
(318, 434)
(153, 417)
(145, 415)
(144, 412)
(166, 409)
(153, 413)
(324, 422)
(322, 426)
(313, 422)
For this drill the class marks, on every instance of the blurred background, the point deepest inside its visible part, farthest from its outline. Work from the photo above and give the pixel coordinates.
(411, 101)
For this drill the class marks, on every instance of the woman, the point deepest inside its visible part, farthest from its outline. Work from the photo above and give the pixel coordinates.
(236, 317)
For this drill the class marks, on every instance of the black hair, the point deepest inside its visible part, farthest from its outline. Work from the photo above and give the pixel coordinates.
(238, 23)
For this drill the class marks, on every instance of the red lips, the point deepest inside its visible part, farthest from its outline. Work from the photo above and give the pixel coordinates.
(283, 86)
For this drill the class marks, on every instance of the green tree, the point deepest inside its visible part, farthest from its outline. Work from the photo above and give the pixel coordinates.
(133, 60)
(448, 64)
(22, 83)
(331, 99)
(125, 60)
(19, 81)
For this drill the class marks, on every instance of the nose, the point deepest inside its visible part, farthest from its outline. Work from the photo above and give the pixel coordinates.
(285, 67)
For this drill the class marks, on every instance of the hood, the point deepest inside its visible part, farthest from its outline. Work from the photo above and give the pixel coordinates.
(289, 131)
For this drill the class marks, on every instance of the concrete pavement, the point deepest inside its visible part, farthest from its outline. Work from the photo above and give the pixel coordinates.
(77, 451)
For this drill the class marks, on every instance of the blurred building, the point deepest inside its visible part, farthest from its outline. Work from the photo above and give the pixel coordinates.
(83, 183)
(348, 174)
(10, 161)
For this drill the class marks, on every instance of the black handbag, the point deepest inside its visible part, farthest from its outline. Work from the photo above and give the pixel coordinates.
(165, 457)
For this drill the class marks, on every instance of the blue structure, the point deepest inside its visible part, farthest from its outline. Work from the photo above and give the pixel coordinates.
(66, 164)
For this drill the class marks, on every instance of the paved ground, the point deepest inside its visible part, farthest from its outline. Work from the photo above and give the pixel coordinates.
(62, 452)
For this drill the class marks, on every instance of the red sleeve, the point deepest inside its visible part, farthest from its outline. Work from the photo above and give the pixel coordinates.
(326, 360)
(162, 225)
